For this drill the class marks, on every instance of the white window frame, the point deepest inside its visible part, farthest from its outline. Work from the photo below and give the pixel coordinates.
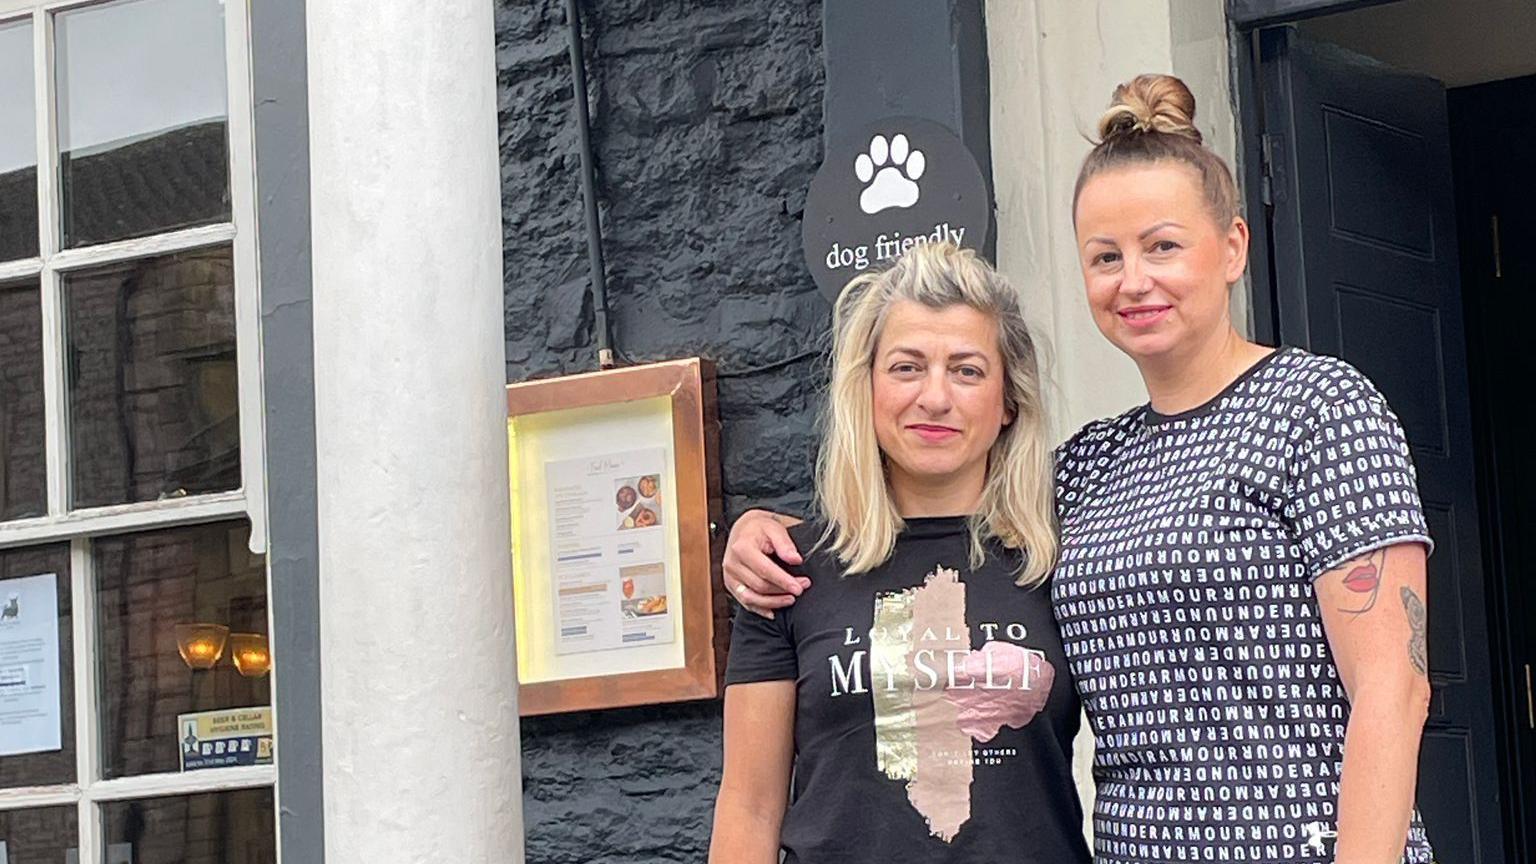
(79, 526)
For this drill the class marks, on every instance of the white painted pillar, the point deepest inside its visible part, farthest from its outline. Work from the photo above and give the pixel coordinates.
(1054, 67)
(421, 751)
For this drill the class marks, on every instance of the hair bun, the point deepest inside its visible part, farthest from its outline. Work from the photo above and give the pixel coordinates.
(1150, 103)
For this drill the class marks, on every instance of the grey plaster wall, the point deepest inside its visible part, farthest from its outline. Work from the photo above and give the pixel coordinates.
(707, 122)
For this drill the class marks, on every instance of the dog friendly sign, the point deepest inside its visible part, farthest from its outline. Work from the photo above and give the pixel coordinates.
(899, 182)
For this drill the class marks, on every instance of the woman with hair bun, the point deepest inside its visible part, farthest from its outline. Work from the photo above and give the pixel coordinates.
(1241, 576)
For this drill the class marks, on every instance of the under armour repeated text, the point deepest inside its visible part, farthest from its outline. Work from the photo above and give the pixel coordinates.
(1187, 612)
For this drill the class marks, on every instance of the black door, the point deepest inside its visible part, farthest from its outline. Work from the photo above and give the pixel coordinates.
(1495, 154)
(1365, 263)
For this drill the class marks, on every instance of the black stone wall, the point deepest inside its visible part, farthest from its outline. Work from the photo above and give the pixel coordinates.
(707, 127)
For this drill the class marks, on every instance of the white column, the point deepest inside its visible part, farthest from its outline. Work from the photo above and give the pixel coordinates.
(1054, 67)
(418, 666)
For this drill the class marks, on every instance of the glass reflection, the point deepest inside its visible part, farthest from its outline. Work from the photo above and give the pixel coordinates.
(38, 834)
(153, 395)
(215, 828)
(147, 583)
(18, 143)
(142, 108)
(23, 461)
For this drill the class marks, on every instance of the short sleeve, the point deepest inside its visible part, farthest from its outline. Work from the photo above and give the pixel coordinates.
(1353, 486)
(1083, 458)
(761, 649)
(1066, 477)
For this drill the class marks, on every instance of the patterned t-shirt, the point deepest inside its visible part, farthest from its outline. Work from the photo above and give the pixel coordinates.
(1190, 543)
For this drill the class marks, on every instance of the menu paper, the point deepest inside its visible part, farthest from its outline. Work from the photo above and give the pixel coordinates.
(29, 665)
(608, 551)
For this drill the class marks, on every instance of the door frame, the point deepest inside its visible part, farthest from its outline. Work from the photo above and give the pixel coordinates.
(1245, 20)
(1252, 14)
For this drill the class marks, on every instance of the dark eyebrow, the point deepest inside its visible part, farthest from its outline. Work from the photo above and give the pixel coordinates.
(1166, 223)
(957, 356)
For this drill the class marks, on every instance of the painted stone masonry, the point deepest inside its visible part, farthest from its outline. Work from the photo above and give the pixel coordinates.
(707, 128)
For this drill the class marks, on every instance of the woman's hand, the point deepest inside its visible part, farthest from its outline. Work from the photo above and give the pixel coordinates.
(755, 579)
(754, 785)
(1374, 615)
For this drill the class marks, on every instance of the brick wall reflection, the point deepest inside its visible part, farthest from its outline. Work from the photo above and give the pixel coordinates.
(23, 465)
(148, 583)
(153, 397)
(38, 834)
(216, 828)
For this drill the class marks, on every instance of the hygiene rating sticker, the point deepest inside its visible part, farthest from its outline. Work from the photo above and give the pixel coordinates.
(219, 739)
(899, 182)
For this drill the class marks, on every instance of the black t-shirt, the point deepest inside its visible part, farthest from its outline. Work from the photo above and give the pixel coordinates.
(934, 714)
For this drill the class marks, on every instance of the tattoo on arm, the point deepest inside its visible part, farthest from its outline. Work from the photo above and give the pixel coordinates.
(1416, 621)
(1364, 579)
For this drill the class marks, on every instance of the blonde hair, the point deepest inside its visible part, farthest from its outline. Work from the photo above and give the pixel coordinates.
(1017, 502)
(1152, 119)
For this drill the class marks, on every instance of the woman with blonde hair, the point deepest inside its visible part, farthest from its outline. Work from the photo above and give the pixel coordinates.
(917, 693)
(1240, 584)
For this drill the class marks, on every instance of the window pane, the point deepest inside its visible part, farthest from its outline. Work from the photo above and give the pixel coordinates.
(215, 828)
(153, 398)
(23, 465)
(18, 143)
(19, 710)
(42, 834)
(146, 585)
(141, 107)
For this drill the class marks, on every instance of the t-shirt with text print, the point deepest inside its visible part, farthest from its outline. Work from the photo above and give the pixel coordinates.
(934, 717)
(1185, 596)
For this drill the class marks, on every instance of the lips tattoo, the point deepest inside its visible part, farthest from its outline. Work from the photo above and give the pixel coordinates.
(1364, 578)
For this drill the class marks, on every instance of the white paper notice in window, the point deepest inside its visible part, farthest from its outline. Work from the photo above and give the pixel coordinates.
(29, 665)
(608, 551)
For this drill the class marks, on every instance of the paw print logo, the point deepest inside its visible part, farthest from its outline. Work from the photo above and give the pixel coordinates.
(890, 171)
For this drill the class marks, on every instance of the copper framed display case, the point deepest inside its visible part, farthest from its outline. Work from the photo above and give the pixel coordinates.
(615, 503)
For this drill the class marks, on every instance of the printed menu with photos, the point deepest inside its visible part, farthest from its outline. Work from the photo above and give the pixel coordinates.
(608, 551)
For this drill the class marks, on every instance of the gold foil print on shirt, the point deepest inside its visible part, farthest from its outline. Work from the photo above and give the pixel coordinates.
(890, 672)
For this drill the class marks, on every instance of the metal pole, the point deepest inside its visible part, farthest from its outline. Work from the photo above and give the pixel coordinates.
(589, 190)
